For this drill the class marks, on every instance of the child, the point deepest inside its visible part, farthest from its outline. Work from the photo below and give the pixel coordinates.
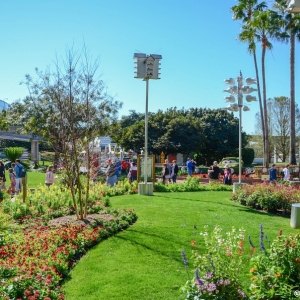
(49, 176)
(12, 187)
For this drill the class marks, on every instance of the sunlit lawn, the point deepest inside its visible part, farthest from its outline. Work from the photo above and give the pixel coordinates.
(144, 262)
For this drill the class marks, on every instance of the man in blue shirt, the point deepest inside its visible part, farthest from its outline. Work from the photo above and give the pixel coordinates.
(189, 165)
(272, 173)
(17, 171)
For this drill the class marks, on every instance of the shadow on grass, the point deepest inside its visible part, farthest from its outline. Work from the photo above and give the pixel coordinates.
(153, 246)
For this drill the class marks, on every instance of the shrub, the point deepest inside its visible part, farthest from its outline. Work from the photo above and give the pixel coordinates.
(268, 197)
(248, 155)
(276, 271)
(218, 268)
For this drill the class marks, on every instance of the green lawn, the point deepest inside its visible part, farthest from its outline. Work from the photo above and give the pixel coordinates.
(144, 262)
(34, 179)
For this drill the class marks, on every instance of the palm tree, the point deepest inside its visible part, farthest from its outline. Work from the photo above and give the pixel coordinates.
(244, 11)
(266, 25)
(291, 27)
(248, 35)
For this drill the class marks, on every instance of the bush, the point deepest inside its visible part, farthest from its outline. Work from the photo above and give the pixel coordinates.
(218, 267)
(248, 155)
(276, 271)
(268, 197)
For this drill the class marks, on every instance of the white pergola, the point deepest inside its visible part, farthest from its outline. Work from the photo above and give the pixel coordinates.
(293, 6)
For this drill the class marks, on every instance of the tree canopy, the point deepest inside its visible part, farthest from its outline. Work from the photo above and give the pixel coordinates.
(211, 133)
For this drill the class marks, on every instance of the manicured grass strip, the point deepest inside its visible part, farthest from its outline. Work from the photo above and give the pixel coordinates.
(144, 262)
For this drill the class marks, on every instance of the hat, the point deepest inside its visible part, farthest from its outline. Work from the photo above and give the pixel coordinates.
(273, 165)
(215, 162)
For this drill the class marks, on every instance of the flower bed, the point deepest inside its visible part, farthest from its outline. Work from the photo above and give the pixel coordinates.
(34, 261)
(272, 198)
(275, 272)
(37, 250)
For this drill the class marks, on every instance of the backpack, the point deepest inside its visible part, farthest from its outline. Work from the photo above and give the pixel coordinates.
(22, 171)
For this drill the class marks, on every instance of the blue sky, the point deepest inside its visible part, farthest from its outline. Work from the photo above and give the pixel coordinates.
(196, 38)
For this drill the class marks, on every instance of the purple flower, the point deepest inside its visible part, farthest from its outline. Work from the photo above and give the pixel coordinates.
(185, 262)
(242, 293)
(198, 279)
(208, 275)
(211, 287)
(261, 239)
(251, 244)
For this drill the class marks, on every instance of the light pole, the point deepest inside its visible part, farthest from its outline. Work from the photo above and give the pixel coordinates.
(239, 90)
(148, 67)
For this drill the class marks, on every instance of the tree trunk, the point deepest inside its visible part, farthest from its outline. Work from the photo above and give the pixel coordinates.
(292, 102)
(266, 138)
(259, 100)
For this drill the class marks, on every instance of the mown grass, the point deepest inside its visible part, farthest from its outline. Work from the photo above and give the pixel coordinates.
(35, 178)
(144, 262)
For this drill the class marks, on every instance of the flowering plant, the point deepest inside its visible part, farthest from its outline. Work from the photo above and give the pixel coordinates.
(218, 268)
(276, 271)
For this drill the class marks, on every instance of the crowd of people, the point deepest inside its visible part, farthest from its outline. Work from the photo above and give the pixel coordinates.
(15, 174)
(117, 168)
(169, 172)
(129, 168)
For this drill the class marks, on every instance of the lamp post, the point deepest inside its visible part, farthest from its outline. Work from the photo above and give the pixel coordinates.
(239, 90)
(147, 67)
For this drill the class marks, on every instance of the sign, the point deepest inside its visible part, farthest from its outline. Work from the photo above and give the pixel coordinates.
(150, 168)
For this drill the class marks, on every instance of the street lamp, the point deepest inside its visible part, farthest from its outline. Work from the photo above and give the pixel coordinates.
(239, 90)
(147, 67)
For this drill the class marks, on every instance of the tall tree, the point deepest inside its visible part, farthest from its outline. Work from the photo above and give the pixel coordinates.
(279, 122)
(244, 11)
(267, 26)
(291, 26)
(68, 107)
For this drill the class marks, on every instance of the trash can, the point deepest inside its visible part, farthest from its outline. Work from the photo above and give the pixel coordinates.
(295, 215)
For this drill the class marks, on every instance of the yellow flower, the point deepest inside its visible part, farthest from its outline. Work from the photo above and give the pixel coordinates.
(252, 270)
(277, 274)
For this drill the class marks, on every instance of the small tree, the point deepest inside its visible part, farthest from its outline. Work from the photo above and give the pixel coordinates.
(68, 108)
(13, 153)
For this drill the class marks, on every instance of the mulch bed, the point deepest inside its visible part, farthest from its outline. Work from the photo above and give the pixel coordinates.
(89, 220)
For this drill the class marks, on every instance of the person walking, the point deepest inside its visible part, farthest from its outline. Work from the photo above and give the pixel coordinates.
(272, 173)
(132, 174)
(111, 177)
(124, 167)
(18, 173)
(189, 165)
(214, 173)
(49, 176)
(227, 175)
(169, 166)
(286, 173)
(165, 173)
(2, 176)
(12, 187)
(174, 171)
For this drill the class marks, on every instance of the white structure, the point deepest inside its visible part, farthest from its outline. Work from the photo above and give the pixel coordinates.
(3, 105)
(239, 90)
(293, 6)
(147, 67)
